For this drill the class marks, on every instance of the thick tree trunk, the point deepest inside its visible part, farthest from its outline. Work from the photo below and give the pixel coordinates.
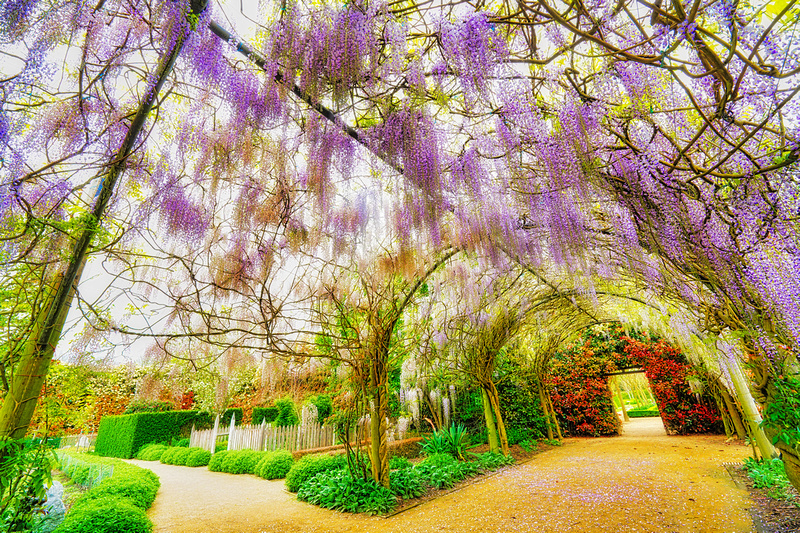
(379, 451)
(545, 411)
(494, 400)
(491, 428)
(750, 410)
(733, 412)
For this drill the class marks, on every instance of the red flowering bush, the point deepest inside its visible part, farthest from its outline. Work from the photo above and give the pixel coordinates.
(578, 384)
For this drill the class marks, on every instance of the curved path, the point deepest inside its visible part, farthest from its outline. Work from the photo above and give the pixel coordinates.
(643, 481)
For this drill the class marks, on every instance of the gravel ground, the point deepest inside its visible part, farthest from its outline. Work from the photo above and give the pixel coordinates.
(642, 481)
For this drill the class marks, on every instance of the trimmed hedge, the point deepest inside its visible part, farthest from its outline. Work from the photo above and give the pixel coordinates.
(116, 504)
(274, 465)
(215, 464)
(309, 466)
(226, 416)
(198, 457)
(287, 412)
(124, 435)
(151, 452)
(642, 413)
(261, 414)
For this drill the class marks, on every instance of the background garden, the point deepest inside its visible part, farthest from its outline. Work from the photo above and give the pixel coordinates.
(394, 219)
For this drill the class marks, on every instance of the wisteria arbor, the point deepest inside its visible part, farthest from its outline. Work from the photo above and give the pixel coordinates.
(650, 141)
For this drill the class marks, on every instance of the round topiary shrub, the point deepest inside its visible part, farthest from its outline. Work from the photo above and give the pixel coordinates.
(151, 452)
(309, 466)
(109, 514)
(180, 455)
(275, 465)
(215, 464)
(168, 456)
(198, 457)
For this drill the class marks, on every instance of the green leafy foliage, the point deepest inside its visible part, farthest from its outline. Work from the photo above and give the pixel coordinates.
(643, 413)
(782, 414)
(454, 441)
(769, 474)
(442, 470)
(151, 452)
(262, 414)
(225, 419)
(241, 461)
(105, 515)
(274, 465)
(287, 413)
(309, 466)
(180, 456)
(198, 457)
(407, 483)
(143, 406)
(493, 460)
(124, 435)
(339, 490)
(168, 456)
(24, 474)
(215, 464)
(115, 504)
(398, 462)
(324, 405)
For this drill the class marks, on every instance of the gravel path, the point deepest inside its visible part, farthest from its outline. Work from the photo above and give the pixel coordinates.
(643, 481)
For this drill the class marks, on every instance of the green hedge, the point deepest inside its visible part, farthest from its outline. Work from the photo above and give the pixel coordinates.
(116, 504)
(309, 466)
(260, 414)
(124, 435)
(274, 465)
(642, 413)
(226, 416)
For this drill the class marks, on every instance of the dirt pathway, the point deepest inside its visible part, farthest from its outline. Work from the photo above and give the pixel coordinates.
(643, 481)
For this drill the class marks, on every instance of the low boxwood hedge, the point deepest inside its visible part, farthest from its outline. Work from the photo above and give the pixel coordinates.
(309, 466)
(116, 504)
(274, 465)
(643, 413)
(198, 457)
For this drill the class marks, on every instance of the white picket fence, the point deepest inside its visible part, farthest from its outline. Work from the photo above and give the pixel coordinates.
(83, 441)
(263, 437)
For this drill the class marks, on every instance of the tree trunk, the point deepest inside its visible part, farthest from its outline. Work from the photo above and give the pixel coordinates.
(494, 400)
(379, 451)
(553, 414)
(491, 428)
(749, 409)
(545, 411)
(625, 416)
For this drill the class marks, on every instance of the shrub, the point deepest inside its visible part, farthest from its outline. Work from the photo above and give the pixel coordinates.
(493, 460)
(168, 456)
(105, 515)
(221, 446)
(241, 461)
(442, 470)
(151, 452)
(310, 465)
(198, 457)
(274, 465)
(115, 504)
(215, 464)
(516, 434)
(124, 435)
(338, 490)
(287, 414)
(180, 456)
(181, 443)
(398, 462)
(435, 444)
(324, 406)
(261, 414)
(769, 474)
(407, 483)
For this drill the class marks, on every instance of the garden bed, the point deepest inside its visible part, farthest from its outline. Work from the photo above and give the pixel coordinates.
(520, 455)
(770, 515)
